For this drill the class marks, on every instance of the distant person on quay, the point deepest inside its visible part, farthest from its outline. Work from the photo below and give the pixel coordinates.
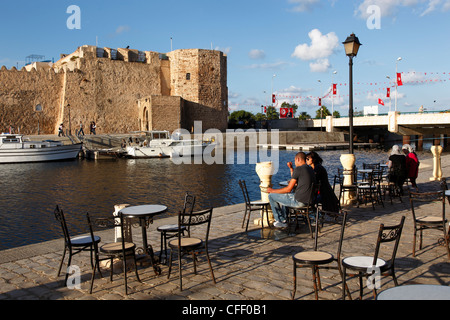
(397, 168)
(412, 165)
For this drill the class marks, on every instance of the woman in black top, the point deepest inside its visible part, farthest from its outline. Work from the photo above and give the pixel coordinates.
(326, 195)
(397, 168)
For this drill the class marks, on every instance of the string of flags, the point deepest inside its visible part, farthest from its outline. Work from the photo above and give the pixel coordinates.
(402, 78)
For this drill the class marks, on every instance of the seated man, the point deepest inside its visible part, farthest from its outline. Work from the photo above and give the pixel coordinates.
(302, 179)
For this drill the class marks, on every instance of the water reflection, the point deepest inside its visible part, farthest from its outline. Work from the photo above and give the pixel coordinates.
(31, 191)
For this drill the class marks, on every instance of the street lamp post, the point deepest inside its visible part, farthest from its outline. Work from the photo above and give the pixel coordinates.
(351, 45)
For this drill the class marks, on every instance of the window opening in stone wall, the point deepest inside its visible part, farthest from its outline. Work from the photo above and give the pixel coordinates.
(188, 76)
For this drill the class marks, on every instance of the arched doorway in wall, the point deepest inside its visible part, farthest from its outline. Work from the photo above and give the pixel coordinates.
(146, 120)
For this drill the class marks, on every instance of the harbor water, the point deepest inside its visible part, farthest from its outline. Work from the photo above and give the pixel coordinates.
(30, 192)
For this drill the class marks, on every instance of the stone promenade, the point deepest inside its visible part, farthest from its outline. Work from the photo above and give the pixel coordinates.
(248, 266)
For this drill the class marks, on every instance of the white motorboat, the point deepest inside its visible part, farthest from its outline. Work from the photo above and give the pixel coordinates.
(160, 144)
(15, 149)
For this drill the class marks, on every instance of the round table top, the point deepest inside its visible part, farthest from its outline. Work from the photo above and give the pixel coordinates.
(416, 292)
(447, 193)
(365, 170)
(144, 210)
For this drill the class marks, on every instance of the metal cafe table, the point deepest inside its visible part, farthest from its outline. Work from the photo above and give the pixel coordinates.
(416, 292)
(145, 213)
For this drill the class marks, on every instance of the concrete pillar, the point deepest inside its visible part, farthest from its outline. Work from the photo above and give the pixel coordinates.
(419, 144)
(330, 124)
(406, 139)
(348, 162)
(265, 173)
(437, 169)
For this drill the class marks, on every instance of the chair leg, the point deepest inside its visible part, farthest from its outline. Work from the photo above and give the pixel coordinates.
(245, 216)
(62, 261)
(210, 267)
(313, 269)
(93, 275)
(360, 276)
(68, 265)
(414, 242)
(180, 269)
(170, 263)
(295, 281)
(344, 282)
(124, 264)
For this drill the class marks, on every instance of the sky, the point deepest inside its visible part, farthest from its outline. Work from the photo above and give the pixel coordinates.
(292, 48)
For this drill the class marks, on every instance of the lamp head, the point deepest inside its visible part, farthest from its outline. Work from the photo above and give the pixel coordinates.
(352, 45)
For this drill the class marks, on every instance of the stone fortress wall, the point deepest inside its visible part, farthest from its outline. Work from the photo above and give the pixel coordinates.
(121, 90)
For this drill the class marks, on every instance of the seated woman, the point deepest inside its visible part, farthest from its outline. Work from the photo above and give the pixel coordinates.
(326, 197)
(397, 168)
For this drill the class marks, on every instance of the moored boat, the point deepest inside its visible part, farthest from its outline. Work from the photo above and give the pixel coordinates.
(15, 149)
(160, 144)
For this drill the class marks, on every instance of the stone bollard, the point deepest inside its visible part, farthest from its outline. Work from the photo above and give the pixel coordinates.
(437, 168)
(348, 162)
(265, 173)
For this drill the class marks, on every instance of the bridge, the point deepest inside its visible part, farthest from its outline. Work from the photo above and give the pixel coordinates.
(406, 124)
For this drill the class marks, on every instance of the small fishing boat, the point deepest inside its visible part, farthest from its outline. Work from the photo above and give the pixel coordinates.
(15, 149)
(160, 144)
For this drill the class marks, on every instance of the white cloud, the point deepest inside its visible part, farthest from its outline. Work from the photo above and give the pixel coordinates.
(322, 46)
(226, 50)
(256, 54)
(303, 5)
(392, 7)
(122, 29)
(321, 65)
(432, 5)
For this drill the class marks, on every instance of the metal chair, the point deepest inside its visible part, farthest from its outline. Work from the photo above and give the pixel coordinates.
(306, 211)
(427, 221)
(251, 206)
(373, 266)
(190, 244)
(317, 259)
(370, 189)
(115, 250)
(170, 231)
(74, 245)
(346, 188)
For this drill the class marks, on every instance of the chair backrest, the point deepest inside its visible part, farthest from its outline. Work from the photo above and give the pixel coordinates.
(190, 219)
(418, 198)
(59, 215)
(189, 202)
(338, 218)
(444, 188)
(106, 223)
(244, 191)
(389, 234)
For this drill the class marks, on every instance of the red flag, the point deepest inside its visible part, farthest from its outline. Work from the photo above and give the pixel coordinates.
(274, 99)
(320, 102)
(399, 79)
(283, 113)
(291, 113)
(381, 102)
(334, 89)
(388, 95)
